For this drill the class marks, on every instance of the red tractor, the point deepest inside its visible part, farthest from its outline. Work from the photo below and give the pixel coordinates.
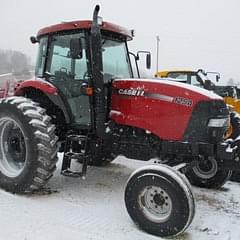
(86, 100)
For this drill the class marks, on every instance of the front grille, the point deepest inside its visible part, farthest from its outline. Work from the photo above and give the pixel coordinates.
(198, 130)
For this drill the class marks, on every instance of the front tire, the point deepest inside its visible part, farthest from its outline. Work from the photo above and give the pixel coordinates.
(207, 174)
(235, 125)
(28, 145)
(159, 200)
(235, 132)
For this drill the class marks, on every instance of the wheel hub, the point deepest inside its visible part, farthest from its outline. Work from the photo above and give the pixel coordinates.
(12, 148)
(16, 145)
(159, 199)
(206, 169)
(155, 204)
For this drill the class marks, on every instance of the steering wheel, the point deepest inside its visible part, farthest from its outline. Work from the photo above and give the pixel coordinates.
(86, 76)
(63, 69)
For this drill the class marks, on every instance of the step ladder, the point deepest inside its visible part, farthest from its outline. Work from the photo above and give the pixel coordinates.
(82, 143)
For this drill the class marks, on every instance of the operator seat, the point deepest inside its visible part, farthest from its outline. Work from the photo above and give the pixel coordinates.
(78, 103)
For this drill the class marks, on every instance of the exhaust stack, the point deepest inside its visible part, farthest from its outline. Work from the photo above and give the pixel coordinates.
(97, 76)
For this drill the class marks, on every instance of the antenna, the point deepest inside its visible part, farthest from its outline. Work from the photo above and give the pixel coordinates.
(158, 40)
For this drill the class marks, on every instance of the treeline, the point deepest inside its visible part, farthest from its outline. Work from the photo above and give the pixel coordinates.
(12, 61)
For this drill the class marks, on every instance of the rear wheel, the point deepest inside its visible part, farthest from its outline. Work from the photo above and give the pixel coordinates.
(159, 200)
(206, 174)
(28, 145)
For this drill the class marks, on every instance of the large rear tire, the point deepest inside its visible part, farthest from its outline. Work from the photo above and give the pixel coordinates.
(159, 200)
(208, 175)
(28, 145)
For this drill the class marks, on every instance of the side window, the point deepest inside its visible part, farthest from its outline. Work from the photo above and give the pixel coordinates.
(41, 57)
(61, 60)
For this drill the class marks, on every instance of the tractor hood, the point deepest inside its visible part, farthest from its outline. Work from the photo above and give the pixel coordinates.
(159, 88)
(150, 104)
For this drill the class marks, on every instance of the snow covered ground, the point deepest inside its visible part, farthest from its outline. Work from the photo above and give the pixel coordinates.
(94, 209)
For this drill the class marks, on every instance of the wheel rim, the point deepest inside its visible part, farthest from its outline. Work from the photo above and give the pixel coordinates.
(206, 169)
(155, 204)
(12, 148)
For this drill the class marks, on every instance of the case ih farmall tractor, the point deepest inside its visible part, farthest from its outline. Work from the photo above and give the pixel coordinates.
(85, 99)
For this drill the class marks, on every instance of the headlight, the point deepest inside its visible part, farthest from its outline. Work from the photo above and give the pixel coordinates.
(218, 122)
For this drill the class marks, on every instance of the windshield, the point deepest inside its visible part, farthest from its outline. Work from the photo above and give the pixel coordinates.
(115, 59)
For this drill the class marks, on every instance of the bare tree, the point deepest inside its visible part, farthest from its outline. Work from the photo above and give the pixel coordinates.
(13, 62)
(231, 82)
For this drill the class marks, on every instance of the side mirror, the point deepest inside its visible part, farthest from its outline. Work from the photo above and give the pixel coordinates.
(216, 74)
(208, 85)
(148, 61)
(148, 58)
(76, 51)
(34, 40)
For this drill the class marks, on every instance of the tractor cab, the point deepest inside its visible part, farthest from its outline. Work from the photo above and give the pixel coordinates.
(79, 60)
(67, 61)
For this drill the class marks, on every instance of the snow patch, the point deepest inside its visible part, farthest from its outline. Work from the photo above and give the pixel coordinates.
(36, 122)
(115, 112)
(94, 209)
(32, 113)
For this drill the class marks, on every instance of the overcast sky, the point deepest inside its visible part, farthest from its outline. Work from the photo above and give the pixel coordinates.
(193, 33)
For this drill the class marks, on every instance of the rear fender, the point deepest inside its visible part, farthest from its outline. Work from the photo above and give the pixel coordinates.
(46, 88)
(39, 84)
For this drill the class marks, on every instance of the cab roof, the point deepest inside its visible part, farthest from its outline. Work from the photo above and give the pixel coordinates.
(85, 24)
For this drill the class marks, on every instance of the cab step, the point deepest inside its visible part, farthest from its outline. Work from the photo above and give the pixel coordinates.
(82, 143)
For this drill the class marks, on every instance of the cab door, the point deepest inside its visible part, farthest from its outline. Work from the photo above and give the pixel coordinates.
(69, 71)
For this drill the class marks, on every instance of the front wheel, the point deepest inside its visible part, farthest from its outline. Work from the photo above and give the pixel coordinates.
(159, 200)
(234, 133)
(206, 174)
(234, 129)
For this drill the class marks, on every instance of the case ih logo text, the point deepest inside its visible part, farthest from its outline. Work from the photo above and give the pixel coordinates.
(131, 92)
(183, 101)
